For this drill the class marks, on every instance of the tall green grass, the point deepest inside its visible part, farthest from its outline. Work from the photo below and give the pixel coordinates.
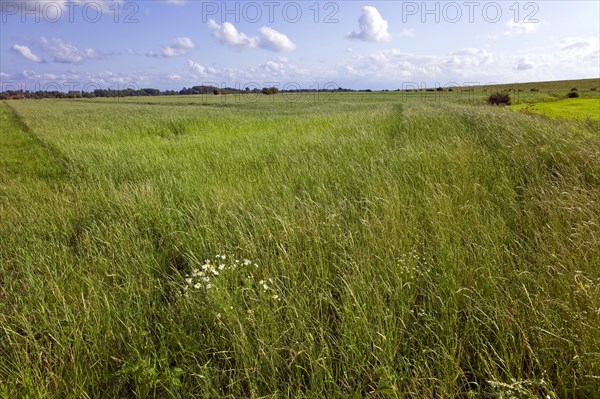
(408, 249)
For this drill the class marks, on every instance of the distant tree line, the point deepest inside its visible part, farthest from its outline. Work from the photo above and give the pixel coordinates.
(195, 90)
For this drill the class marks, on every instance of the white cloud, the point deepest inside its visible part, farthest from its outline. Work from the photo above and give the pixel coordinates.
(515, 29)
(173, 76)
(183, 43)
(229, 35)
(197, 68)
(524, 64)
(277, 70)
(179, 47)
(66, 53)
(466, 58)
(580, 45)
(27, 53)
(407, 33)
(269, 38)
(274, 41)
(373, 28)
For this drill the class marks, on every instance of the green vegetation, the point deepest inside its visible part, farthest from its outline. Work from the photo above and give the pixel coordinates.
(583, 109)
(401, 246)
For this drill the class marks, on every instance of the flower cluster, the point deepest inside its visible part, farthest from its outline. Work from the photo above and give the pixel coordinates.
(201, 278)
(206, 276)
(413, 265)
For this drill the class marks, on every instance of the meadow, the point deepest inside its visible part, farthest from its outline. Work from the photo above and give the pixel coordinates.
(343, 245)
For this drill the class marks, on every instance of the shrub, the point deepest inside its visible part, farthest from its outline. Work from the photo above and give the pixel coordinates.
(499, 99)
(572, 94)
(593, 89)
(440, 89)
(534, 89)
(270, 90)
(574, 89)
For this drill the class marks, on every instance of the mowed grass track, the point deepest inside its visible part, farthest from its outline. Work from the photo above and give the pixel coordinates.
(414, 249)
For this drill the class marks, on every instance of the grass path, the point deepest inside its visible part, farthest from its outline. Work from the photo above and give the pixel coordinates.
(23, 154)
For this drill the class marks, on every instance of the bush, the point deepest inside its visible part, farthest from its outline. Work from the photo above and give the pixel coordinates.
(499, 99)
(572, 94)
(270, 90)
(593, 89)
(534, 89)
(574, 89)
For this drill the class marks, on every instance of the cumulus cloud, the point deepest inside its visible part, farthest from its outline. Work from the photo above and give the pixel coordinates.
(279, 69)
(516, 28)
(466, 58)
(229, 35)
(269, 38)
(66, 53)
(179, 47)
(408, 33)
(275, 41)
(27, 53)
(197, 68)
(57, 50)
(373, 28)
(524, 64)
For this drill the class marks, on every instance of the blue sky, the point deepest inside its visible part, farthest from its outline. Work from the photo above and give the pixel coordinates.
(48, 44)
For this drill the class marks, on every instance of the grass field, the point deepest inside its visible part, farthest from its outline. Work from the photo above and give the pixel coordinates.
(388, 246)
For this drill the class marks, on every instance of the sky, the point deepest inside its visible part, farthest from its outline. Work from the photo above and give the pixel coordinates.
(171, 44)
